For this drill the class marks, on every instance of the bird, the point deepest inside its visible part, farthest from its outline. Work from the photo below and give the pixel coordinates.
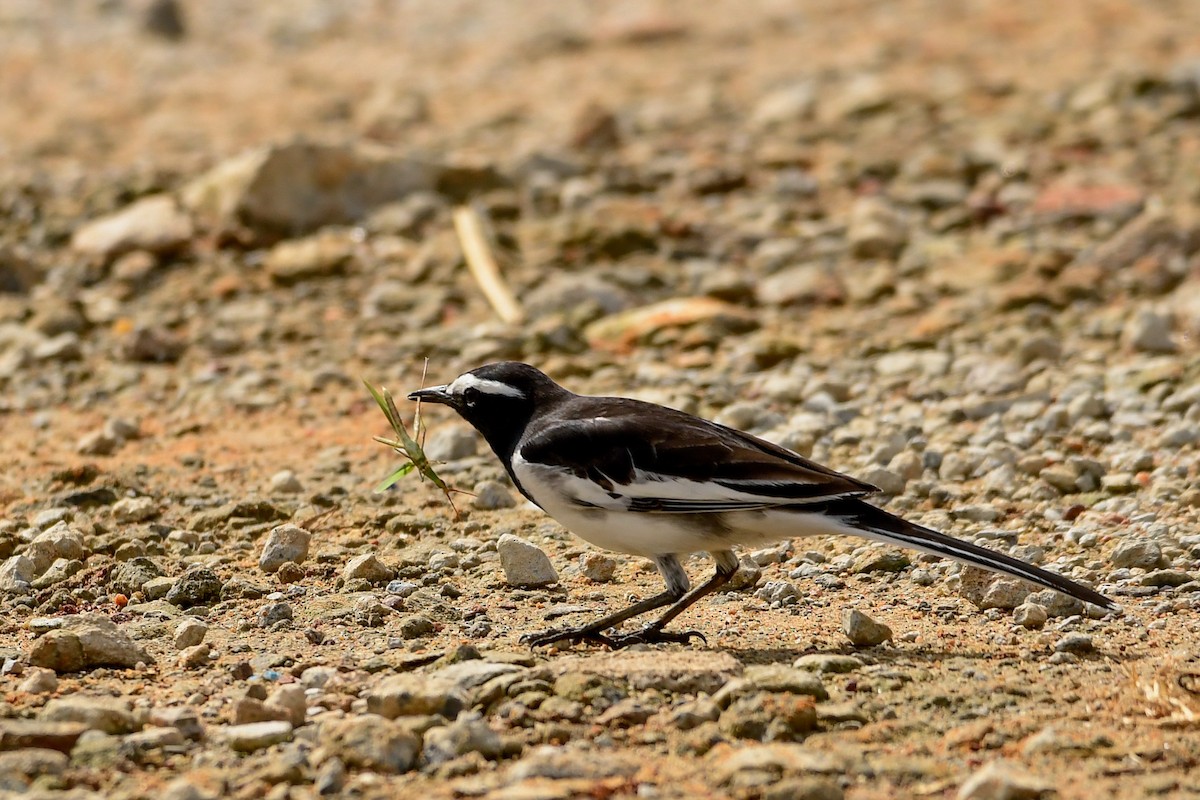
(639, 478)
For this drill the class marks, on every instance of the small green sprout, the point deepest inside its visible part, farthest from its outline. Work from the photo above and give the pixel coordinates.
(409, 446)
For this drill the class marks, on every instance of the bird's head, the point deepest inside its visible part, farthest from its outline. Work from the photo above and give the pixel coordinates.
(497, 399)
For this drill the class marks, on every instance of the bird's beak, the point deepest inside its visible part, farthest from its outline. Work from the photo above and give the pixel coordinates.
(434, 394)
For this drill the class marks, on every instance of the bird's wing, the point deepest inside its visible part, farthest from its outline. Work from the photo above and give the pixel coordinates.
(635, 457)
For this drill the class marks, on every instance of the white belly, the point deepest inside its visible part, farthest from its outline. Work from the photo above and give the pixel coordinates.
(654, 534)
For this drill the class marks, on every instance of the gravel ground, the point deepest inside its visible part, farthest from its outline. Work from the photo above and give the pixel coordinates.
(953, 250)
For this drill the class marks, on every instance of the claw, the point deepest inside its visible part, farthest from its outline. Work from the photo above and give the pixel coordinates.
(576, 635)
(652, 635)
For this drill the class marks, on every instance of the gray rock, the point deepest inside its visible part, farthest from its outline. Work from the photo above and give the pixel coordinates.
(876, 230)
(887, 481)
(300, 186)
(134, 509)
(285, 543)
(254, 736)
(862, 631)
(59, 571)
(1056, 603)
(285, 482)
(559, 763)
(368, 568)
(155, 224)
(87, 641)
(452, 443)
(132, 575)
(778, 593)
(194, 657)
(1074, 643)
(998, 780)
(524, 563)
(58, 541)
(16, 575)
(789, 680)
(31, 763)
(468, 734)
(1143, 553)
(787, 104)
(371, 742)
(832, 663)
(107, 714)
(1030, 615)
(189, 633)
(492, 495)
(680, 672)
(1149, 332)
(1166, 577)
(195, 587)
(1006, 593)
(409, 695)
(274, 613)
(290, 701)
(39, 680)
(325, 253)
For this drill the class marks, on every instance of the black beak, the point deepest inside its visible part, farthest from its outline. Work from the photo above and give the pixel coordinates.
(434, 394)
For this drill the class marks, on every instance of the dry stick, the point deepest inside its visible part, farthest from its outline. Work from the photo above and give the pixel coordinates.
(482, 264)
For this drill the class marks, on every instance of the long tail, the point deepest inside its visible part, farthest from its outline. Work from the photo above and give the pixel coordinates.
(875, 523)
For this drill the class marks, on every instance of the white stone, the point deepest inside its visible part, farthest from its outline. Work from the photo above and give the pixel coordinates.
(524, 564)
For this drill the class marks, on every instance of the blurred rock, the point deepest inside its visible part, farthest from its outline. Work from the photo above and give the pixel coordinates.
(297, 187)
(155, 224)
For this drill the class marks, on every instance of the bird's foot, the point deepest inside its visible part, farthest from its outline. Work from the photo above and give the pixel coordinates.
(571, 635)
(652, 634)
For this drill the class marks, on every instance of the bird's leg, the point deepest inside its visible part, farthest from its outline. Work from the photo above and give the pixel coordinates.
(677, 586)
(727, 565)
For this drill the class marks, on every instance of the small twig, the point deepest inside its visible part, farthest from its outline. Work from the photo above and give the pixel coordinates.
(472, 236)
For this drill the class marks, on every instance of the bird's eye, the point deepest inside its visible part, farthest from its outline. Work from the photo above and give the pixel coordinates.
(470, 395)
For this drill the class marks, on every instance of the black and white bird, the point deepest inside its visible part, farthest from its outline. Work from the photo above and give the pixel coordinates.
(639, 478)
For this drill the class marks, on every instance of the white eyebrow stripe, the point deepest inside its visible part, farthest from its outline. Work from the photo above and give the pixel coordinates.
(469, 381)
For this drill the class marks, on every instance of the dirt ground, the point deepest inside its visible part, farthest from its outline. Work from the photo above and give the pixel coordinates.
(951, 245)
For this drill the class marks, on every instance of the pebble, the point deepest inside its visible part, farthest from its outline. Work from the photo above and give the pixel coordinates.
(16, 575)
(284, 544)
(998, 780)
(524, 564)
(57, 541)
(195, 656)
(39, 680)
(888, 482)
(492, 496)
(1030, 615)
(777, 678)
(862, 630)
(285, 482)
(196, 587)
(289, 700)
(468, 734)
(86, 641)
(829, 663)
(154, 224)
(190, 633)
(1074, 643)
(367, 567)
(1166, 577)
(1142, 553)
(1149, 332)
(370, 742)
(253, 736)
(452, 443)
(597, 567)
(134, 509)
(110, 715)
